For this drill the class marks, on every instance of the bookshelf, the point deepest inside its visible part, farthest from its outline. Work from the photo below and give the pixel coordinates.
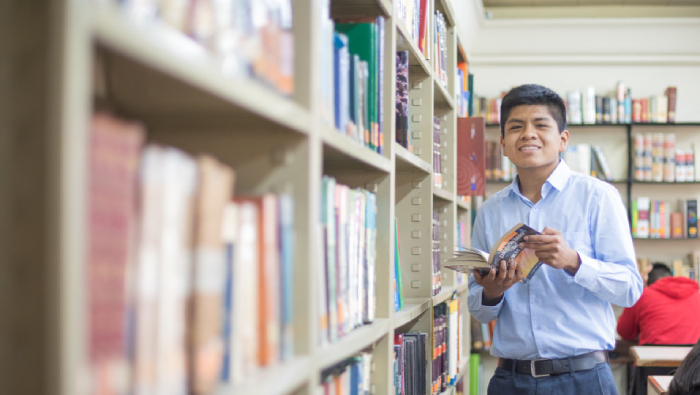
(102, 59)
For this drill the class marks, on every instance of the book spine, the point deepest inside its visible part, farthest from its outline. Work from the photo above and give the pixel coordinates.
(692, 218)
(643, 220)
(671, 94)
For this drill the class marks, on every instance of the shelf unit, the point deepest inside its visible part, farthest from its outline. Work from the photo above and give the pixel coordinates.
(97, 58)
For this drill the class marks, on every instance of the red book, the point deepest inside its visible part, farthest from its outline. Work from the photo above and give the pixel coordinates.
(422, 27)
(645, 110)
(677, 225)
(114, 157)
(471, 164)
(671, 95)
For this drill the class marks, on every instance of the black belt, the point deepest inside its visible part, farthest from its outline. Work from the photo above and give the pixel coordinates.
(547, 367)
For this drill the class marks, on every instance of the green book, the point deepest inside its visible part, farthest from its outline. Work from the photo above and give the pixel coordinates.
(364, 42)
(635, 215)
(470, 106)
(397, 263)
(474, 361)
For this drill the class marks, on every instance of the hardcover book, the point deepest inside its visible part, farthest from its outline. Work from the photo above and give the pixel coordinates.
(471, 177)
(505, 249)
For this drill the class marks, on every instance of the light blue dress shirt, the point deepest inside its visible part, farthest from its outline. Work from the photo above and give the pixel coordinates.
(557, 314)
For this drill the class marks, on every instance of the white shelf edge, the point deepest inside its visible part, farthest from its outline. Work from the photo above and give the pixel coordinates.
(353, 149)
(411, 310)
(444, 294)
(445, 94)
(449, 12)
(462, 204)
(347, 346)
(411, 159)
(443, 194)
(413, 47)
(275, 380)
(171, 52)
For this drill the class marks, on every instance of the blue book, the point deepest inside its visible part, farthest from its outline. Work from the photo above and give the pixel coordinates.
(355, 378)
(341, 79)
(286, 240)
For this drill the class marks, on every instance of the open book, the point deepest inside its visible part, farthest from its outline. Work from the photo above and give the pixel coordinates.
(504, 249)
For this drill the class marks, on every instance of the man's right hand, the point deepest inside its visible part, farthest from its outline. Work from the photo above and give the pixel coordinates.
(496, 285)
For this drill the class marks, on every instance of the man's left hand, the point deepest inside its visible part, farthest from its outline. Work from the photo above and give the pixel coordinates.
(551, 249)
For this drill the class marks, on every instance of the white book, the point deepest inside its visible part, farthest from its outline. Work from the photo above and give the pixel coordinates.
(574, 107)
(584, 159)
(331, 260)
(647, 156)
(680, 166)
(689, 165)
(643, 206)
(371, 236)
(661, 109)
(589, 106)
(696, 166)
(180, 177)
(246, 301)
(342, 193)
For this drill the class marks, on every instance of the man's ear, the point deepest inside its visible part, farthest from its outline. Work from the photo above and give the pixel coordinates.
(503, 146)
(564, 142)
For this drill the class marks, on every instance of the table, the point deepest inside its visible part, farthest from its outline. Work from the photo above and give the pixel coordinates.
(655, 360)
(658, 385)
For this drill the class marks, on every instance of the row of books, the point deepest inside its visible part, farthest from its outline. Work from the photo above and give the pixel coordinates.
(447, 345)
(347, 283)
(656, 158)
(440, 47)
(489, 109)
(403, 133)
(661, 220)
(350, 377)
(588, 159)
(688, 267)
(498, 167)
(462, 229)
(414, 15)
(247, 37)
(436, 267)
(482, 334)
(463, 87)
(438, 179)
(172, 256)
(352, 67)
(411, 363)
(619, 107)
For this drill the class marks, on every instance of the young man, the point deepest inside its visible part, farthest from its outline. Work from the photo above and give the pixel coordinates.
(661, 316)
(552, 332)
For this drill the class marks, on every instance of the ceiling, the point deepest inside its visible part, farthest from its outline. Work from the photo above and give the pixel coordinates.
(518, 9)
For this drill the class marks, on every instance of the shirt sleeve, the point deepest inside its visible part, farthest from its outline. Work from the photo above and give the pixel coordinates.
(628, 324)
(611, 274)
(474, 300)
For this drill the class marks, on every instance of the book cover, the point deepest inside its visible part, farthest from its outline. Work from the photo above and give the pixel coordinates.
(505, 249)
(602, 162)
(471, 177)
(643, 205)
(214, 190)
(402, 98)
(692, 218)
(670, 93)
(287, 239)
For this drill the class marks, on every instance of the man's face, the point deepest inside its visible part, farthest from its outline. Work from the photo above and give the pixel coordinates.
(531, 138)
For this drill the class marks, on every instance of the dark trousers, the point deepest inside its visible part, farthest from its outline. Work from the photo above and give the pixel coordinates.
(596, 381)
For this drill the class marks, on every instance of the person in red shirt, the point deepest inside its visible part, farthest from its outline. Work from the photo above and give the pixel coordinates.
(667, 312)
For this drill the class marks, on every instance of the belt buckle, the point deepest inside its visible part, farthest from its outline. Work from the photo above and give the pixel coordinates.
(532, 369)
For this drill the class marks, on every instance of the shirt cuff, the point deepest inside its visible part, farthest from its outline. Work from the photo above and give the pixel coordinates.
(587, 274)
(489, 309)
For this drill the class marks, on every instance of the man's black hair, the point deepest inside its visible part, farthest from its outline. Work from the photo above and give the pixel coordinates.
(658, 271)
(530, 95)
(686, 380)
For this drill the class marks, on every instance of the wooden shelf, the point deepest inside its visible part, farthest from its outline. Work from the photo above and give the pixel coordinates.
(442, 96)
(666, 182)
(444, 294)
(358, 340)
(462, 205)
(410, 311)
(415, 56)
(666, 239)
(276, 380)
(356, 8)
(408, 162)
(172, 74)
(442, 194)
(342, 151)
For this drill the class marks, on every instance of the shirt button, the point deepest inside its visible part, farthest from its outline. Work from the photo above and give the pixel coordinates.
(539, 328)
(535, 210)
(534, 300)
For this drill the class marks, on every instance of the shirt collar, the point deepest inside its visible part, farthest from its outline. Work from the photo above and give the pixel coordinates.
(557, 179)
